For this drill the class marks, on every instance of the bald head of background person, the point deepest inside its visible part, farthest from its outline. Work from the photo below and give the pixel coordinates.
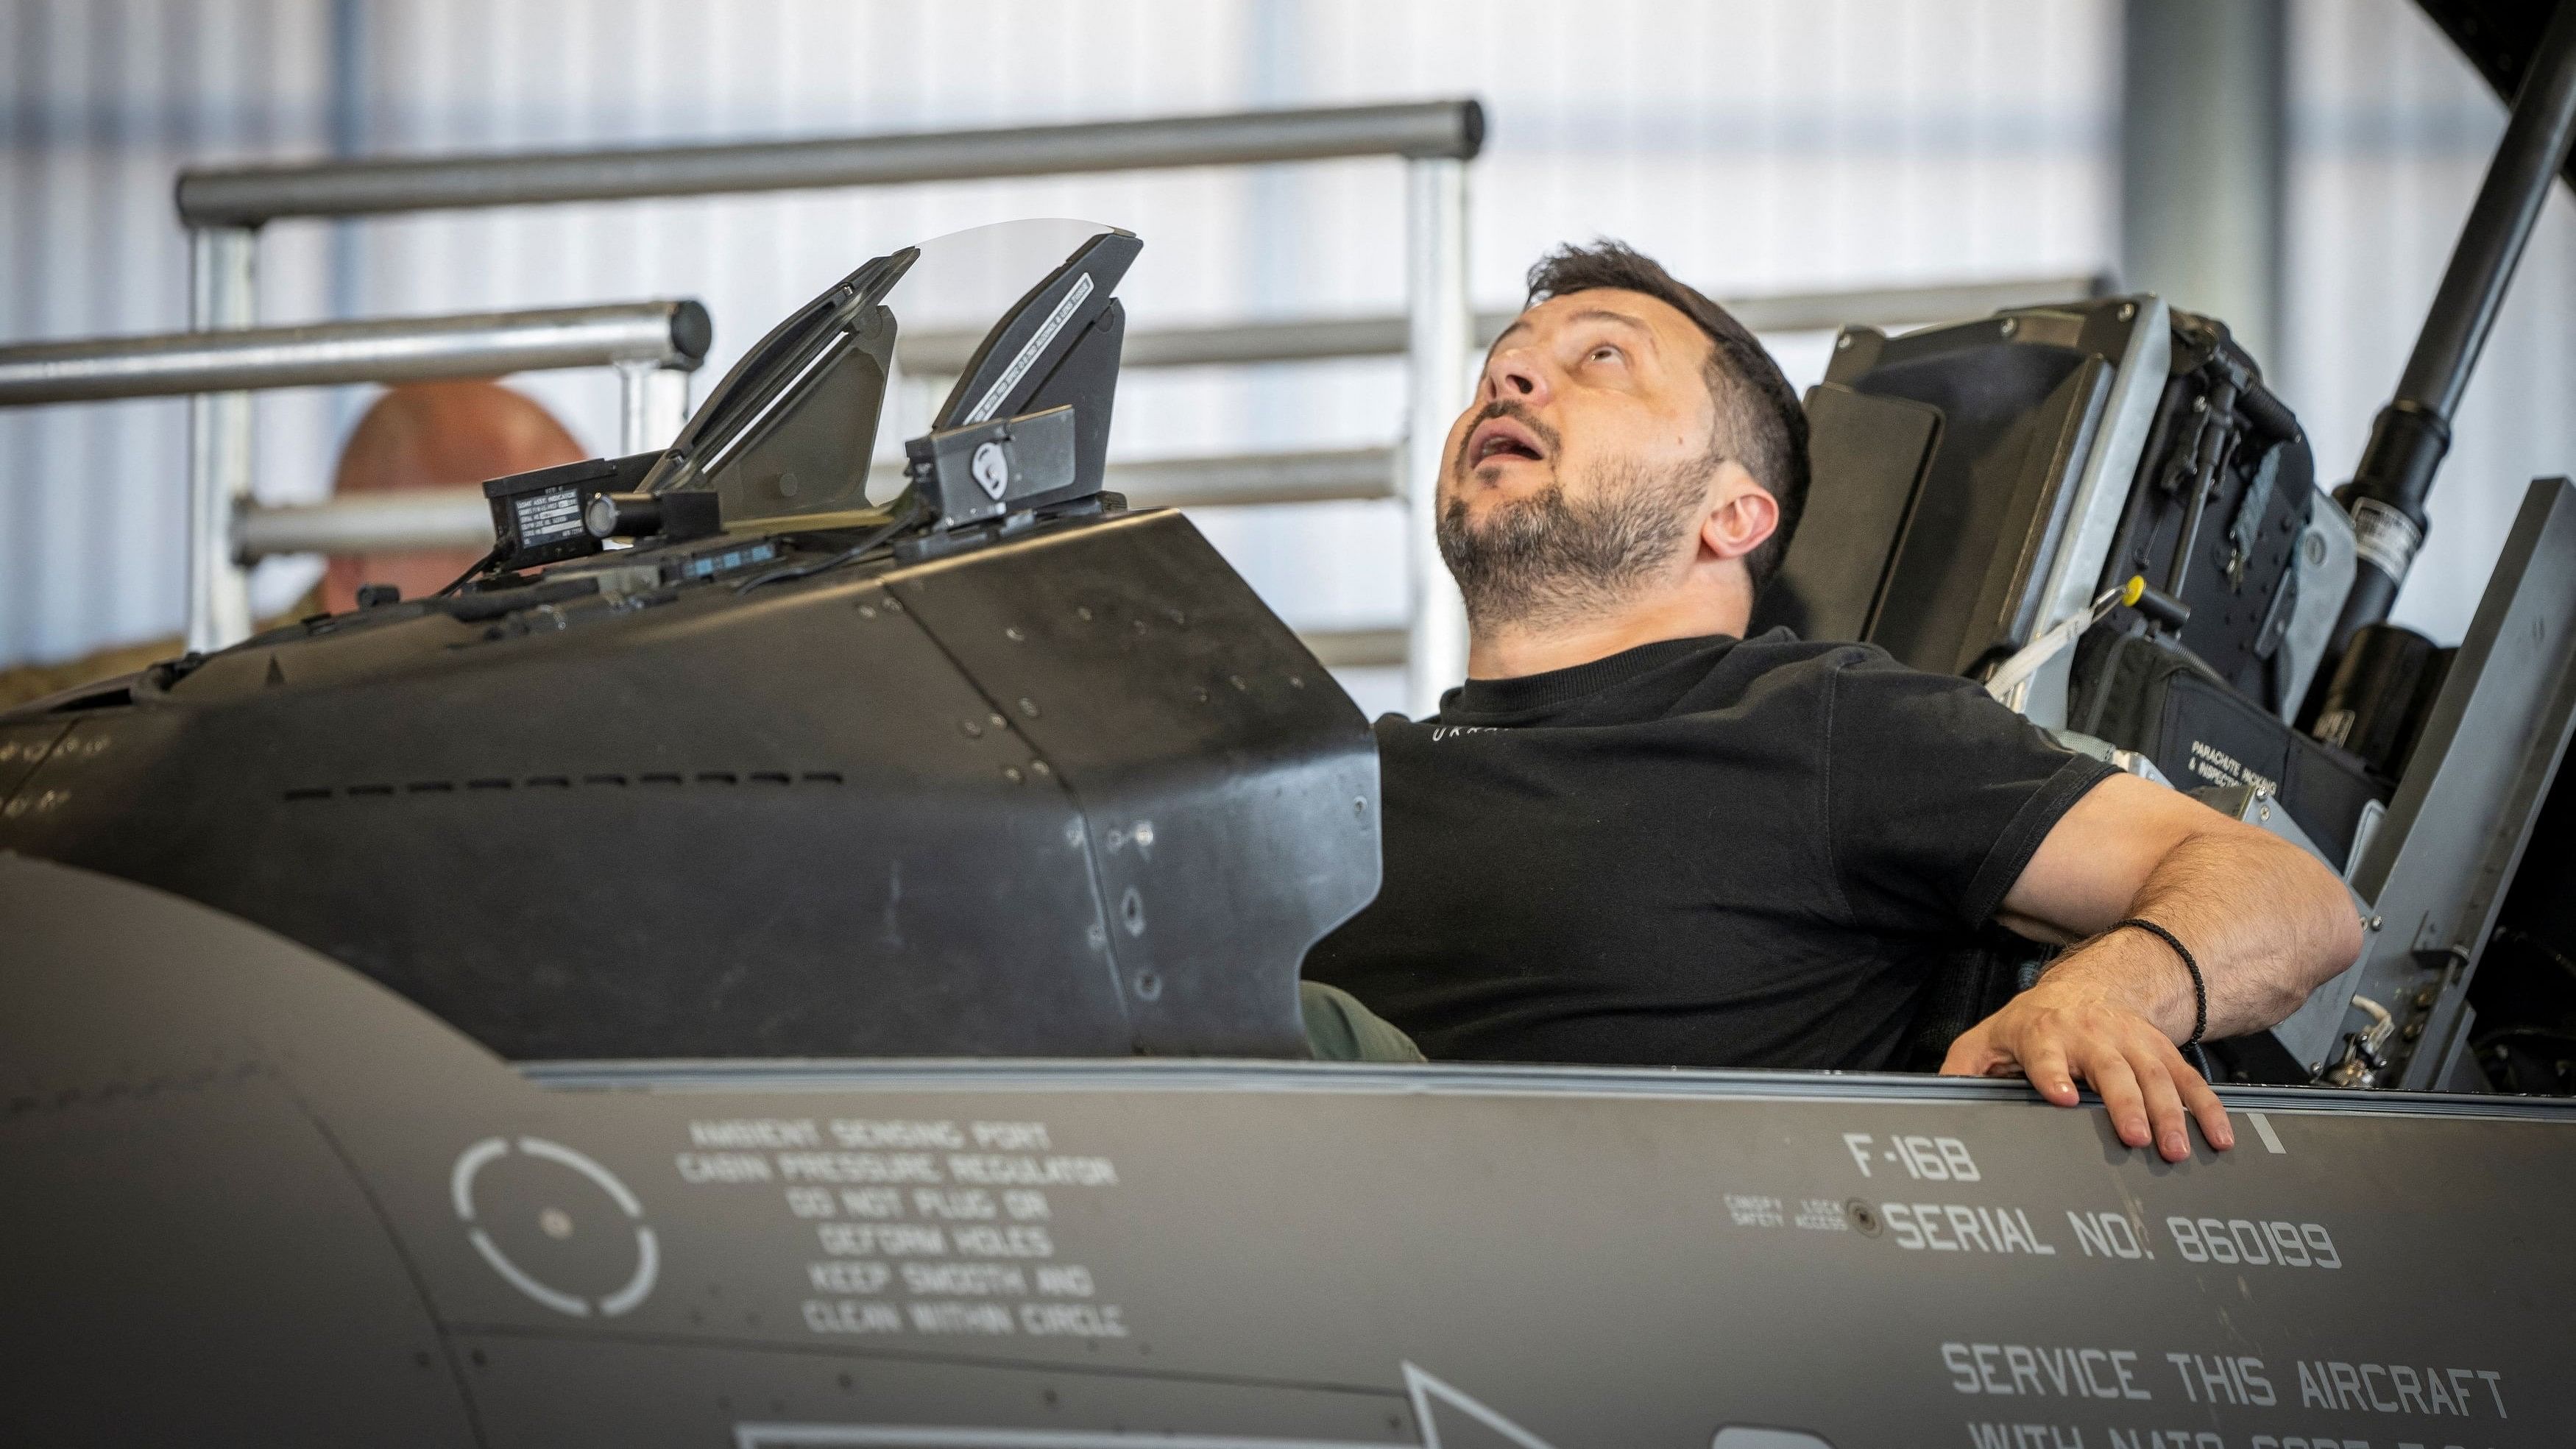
(419, 435)
(436, 435)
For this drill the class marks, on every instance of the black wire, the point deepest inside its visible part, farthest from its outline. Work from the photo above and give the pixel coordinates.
(905, 519)
(479, 565)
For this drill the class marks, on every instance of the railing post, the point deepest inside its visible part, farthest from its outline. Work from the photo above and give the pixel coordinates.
(652, 402)
(666, 406)
(222, 293)
(1439, 332)
(632, 424)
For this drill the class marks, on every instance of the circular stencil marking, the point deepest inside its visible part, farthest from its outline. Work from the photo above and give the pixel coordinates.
(555, 1223)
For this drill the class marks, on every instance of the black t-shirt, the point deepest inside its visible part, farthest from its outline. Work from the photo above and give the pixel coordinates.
(1701, 852)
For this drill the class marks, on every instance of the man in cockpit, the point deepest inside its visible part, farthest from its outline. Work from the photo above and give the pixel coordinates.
(1635, 836)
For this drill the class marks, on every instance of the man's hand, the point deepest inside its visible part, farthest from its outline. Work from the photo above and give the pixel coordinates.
(2087, 1020)
(2268, 922)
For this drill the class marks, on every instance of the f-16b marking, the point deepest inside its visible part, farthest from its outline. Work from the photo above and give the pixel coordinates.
(1925, 1159)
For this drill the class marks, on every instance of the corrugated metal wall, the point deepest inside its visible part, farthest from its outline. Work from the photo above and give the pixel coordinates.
(104, 103)
(1754, 146)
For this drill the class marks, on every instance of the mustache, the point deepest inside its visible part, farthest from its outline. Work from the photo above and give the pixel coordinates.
(1501, 407)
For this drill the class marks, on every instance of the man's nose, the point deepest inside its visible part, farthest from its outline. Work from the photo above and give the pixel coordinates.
(1515, 374)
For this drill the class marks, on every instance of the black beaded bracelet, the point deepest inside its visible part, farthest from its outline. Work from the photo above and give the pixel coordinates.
(2199, 987)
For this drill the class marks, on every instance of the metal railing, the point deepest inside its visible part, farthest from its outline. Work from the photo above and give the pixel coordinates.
(1327, 338)
(223, 210)
(648, 335)
(369, 523)
(461, 518)
(653, 346)
(250, 196)
(458, 517)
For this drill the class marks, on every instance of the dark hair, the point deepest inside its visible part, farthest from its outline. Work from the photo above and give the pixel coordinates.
(1759, 422)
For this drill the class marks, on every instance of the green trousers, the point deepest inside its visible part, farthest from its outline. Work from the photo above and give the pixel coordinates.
(1339, 1029)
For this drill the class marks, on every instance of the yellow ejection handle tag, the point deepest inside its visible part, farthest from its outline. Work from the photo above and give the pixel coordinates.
(2014, 672)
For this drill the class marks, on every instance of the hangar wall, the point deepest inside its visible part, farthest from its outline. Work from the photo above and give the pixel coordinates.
(1755, 146)
(2390, 133)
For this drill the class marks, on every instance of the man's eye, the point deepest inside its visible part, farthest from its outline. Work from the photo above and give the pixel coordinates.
(1603, 353)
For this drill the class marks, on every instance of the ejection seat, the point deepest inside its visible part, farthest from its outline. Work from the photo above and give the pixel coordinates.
(1976, 484)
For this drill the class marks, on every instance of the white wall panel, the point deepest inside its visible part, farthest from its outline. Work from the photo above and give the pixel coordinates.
(103, 103)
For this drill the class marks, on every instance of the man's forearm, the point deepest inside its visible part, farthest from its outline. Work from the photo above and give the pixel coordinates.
(2267, 922)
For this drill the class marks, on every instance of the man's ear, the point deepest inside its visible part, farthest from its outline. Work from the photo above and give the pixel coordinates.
(1745, 514)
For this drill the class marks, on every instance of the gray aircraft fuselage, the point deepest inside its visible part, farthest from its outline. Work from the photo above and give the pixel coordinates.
(253, 1197)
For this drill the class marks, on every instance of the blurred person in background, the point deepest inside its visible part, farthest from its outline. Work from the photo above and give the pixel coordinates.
(419, 435)
(436, 435)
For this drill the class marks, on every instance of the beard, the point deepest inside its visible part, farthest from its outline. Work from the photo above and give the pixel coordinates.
(1546, 559)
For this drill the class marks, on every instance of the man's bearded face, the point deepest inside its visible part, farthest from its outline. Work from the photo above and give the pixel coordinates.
(1543, 557)
(1581, 475)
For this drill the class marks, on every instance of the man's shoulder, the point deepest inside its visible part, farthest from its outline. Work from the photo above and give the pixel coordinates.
(1857, 672)
(1825, 683)
(1780, 651)
(1780, 656)
(1767, 672)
